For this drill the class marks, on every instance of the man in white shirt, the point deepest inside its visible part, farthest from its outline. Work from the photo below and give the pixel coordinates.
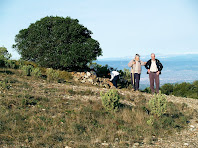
(114, 77)
(154, 67)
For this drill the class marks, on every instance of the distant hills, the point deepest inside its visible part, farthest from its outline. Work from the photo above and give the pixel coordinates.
(180, 57)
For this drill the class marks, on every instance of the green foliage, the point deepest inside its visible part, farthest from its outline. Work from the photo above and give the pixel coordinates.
(127, 74)
(167, 89)
(5, 84)
(147, 90)
(36, 72)
(52, 75)
(158, 104)
(4, 56)
(64, 75)
(11, 64)
(57, 42)
(111, 100)
(27, 70)
(182, 90)
(101, 71)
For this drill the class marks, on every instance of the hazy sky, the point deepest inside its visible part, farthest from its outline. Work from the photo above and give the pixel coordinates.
(122, 28)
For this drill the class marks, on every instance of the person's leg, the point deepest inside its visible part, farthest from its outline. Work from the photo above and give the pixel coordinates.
(137, 84)
(132, 79)
(115, 80)
(151, 78)
(157, 83)
(135, 77)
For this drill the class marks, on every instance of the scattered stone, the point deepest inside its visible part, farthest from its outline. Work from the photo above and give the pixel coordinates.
(105, 144)
(186, 144)
(136, 145)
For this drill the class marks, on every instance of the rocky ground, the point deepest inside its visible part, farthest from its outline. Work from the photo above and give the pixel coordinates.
(186, 138)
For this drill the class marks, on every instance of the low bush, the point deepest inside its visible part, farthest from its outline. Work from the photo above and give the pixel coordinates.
(52, 75)
(64, 75)
(158, 104)
(4, 84)
(27, 70)
(36, 72)
(11, 64)
(111, 100)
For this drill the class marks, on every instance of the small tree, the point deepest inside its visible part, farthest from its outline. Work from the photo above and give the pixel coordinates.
(4, 56)
(111, 100)
(158, 104)
(58, 43)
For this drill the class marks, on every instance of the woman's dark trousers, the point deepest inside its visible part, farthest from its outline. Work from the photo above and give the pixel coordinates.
(136, 83)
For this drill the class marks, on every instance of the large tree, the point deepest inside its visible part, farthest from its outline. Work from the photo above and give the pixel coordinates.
(57, 42)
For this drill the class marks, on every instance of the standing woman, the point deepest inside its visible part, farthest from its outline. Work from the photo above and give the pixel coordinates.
(136, 69)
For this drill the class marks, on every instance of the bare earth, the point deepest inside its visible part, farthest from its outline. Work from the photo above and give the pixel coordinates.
(186, 138)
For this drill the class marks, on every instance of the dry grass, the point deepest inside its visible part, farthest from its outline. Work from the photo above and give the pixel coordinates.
(36, 113)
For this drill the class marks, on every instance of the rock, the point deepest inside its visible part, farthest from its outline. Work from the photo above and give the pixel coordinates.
(105, 144)
(136, 144)
(83, 81)
(90, 80)
(88, 74)
(186, 144)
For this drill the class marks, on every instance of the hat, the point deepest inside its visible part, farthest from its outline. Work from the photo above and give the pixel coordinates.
(137, 55)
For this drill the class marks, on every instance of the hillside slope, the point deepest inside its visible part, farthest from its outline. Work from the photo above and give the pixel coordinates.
(41, 99)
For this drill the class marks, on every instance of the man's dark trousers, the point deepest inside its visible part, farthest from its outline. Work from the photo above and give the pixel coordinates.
(154, 77)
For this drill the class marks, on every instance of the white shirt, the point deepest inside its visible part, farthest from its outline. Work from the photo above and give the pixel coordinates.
(153, 67)
(113, 74)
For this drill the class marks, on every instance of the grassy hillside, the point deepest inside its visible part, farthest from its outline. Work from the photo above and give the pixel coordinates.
(37, 113)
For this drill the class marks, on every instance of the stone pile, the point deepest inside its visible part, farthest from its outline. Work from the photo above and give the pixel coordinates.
(91, 78)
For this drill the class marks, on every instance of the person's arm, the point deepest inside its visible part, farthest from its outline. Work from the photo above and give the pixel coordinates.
(147, 65)
(160, 67)
(112, 76)
(130, 64)
(143, 63)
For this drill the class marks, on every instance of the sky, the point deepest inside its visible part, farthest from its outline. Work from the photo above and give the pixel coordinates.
(123, 28)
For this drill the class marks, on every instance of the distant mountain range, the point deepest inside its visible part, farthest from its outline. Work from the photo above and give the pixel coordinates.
(181, 57)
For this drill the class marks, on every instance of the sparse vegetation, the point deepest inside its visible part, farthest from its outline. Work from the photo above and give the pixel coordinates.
(158, 104)
(37, 113)
(27, 70)
(52, 75)
(111, 100)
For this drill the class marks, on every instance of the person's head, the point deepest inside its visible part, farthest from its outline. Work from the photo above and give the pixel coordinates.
(137, 57)
(152, 56)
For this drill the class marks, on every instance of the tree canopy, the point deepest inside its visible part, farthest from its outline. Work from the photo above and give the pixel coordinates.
(4, 55)
(57, 42)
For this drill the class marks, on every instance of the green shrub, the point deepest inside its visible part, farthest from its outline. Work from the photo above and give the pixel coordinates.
(111, 100)
(52, 74)
(5, 84)
(11, 64)
(127, 74)
(167, 89)
(158, 104)
(27, 70)
(65, 75)
(36, 72)
(147, 90)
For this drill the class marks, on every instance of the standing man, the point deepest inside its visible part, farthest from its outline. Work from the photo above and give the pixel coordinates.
(114, 77)
(154, 67)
